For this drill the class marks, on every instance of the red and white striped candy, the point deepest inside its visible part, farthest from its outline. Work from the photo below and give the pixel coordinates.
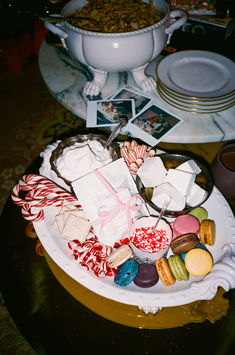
(40, 192)
(124, 154)
(92, 254)
(132, 156)
(142, 150)
(134, 168)
(133, 143)
(151, 153)
(139, 161)
(127, 144)
(135, 149)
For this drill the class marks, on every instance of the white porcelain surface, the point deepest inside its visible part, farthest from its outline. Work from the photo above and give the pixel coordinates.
(230, 98)
(112, 52)
(197, 107)
(198, 73)
(222, 274)
(66, 77)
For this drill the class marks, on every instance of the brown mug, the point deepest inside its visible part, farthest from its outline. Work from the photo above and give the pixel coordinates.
(223, 170)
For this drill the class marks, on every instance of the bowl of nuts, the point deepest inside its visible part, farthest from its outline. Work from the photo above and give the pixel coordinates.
(115, 36)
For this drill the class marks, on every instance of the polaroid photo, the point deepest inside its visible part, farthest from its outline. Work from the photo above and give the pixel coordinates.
(129, 92)
(103, 113)
(152, 124)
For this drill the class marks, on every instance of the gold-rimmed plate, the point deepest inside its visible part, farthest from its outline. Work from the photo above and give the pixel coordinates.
(197, 103)
(200, 74)
(195, 100)
(190, 108)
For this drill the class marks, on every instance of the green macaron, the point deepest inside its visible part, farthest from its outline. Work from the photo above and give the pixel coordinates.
(200, 213)
(178, 268)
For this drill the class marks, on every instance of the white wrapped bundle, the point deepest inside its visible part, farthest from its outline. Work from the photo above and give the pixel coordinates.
(111, 201)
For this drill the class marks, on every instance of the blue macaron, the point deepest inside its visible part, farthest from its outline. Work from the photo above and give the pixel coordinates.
(198, 246)
(126, 273)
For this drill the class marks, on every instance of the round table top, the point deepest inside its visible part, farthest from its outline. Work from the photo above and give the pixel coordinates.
(53, 321)
(65, 78)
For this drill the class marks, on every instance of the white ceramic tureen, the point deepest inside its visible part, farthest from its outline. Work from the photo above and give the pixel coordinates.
(117, 52)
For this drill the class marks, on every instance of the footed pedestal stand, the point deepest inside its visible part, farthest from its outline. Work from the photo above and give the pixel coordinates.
(94, 87)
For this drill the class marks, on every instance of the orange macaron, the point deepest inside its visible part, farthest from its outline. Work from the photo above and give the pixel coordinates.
(164, 272)
(207, 232)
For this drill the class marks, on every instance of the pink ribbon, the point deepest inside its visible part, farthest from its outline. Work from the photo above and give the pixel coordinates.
(133, 204)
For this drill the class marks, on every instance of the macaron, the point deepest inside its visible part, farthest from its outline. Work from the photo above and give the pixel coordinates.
(200, 245)
(184, 243)
(164, 272)
(198, 262)
(185, 224)
(147, 276)
(178, 268)
(207, 232)
(126, 273)
(119, 256)
(199, 212)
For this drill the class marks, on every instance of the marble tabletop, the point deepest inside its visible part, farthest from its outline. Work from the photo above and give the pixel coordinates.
(65, 78)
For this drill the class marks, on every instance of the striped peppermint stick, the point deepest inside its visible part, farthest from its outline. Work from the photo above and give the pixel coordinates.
(135, 154)
(92, 254)
(142, 150)
(40, 192)
(132, 156)
(124, 154)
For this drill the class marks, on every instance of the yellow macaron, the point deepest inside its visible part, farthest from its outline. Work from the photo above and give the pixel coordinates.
(198, 262)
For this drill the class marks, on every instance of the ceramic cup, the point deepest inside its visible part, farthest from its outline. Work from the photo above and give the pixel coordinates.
(142, 256)
(223, 170)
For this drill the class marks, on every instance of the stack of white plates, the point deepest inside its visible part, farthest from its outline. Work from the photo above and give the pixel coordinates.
(197, 81)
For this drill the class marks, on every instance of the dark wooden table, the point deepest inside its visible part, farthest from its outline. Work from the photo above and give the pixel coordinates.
(54, 322)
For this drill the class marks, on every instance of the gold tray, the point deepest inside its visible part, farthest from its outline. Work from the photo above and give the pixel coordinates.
(168, 317)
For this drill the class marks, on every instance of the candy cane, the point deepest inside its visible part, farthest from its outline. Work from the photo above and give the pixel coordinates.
(133, 143)
(92, 254)
(142, 151)
(135, 154)
(151, 153)
(132, 156)
(124, 154)
(40, 192)
(139, 161)
(134, 168)
(127, 144)
(136, 150)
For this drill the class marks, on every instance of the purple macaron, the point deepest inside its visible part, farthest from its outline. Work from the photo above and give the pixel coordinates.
(147, 276)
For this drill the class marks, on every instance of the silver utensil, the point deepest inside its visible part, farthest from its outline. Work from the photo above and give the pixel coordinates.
(163, 210)
(123, 122)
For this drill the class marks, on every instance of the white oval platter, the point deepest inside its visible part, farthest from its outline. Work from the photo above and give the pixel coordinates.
(158, 296)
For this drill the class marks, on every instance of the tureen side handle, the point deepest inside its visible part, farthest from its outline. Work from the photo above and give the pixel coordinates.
(177, 18)
(57, 31)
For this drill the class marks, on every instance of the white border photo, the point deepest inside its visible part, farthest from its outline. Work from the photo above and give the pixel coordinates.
(152, 124)
(103, 113)
(127, 92)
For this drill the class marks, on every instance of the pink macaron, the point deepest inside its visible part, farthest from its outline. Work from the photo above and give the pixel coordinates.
(185, 224)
